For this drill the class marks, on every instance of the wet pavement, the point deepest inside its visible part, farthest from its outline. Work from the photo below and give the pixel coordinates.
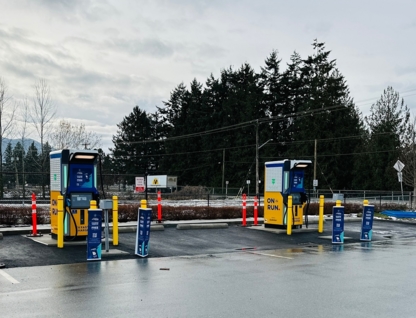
(232, 272)
(21, 251)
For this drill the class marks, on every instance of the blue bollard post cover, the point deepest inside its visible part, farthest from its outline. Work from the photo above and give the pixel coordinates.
(94, 235)
(143, 232)
(367, 223)
(338, 225)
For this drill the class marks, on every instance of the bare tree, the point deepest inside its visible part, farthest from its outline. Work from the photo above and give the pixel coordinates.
(23, 132)
(72, 136)
(41, 115)
(7, 112)
(43, 110)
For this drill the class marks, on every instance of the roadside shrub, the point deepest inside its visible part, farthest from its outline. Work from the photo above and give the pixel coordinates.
(128, 212)
(15, 215)
(12, 215)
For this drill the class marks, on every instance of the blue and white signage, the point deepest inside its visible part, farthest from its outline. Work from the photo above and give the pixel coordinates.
(367, 223)
(143, 232)
(338, 225)
(94, 235)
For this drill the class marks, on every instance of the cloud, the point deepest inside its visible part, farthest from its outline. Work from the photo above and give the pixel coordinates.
(150, 47)
(103, 57)
(318, 28)
(406, 70)
(74, 11)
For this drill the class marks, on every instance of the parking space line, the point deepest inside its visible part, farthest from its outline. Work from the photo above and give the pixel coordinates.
(270, 255)
(8, 277)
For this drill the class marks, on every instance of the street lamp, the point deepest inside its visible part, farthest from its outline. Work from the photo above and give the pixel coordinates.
(151, 167)
(257, 161)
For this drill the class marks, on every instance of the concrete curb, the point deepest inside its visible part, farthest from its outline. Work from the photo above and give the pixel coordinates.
(202, 226)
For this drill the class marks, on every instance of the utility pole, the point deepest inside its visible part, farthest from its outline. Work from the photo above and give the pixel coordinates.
(314, 165)
(257, 158)
(223, 169)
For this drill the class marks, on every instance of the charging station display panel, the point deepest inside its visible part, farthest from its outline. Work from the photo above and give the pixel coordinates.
(80, 200)
(298, 177)
(81, 176)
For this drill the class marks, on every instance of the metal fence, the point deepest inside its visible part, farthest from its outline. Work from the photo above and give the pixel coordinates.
(216, 196)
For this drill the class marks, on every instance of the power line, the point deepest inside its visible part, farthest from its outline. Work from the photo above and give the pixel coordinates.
(250, 146)
(375, 99)
(341, 154)
(299, 114)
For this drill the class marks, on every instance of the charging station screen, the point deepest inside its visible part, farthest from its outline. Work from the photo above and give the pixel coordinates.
(81, 177)
(297, 182)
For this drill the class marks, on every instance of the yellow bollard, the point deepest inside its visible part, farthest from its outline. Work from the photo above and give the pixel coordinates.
(115, 220)
(60, 221)
(143, 204)
(365, 202)
(289, 215)
(338, 203)
(321, 214)
(93, 205)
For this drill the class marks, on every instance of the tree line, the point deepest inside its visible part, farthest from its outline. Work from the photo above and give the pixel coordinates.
(208, 133)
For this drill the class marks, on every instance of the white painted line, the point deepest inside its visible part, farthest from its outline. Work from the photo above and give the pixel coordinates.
(8, 277)
(271, 255)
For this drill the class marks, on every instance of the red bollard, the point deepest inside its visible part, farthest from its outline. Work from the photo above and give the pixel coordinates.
(255, 210)
(159, 207)
(244, 210)
(34, 220)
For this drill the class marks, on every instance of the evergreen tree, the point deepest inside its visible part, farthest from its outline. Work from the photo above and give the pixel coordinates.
(271, 81)
(327, 113)
(8, 168)
(135, 151)
(172, 125)
(236, 101)
(408, 157)
(32, 165)
(105, 170)
(44, 165)
(18, 156)
(388, 123)
(292, 99)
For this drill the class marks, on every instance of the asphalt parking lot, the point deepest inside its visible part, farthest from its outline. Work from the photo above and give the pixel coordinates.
(18, 250)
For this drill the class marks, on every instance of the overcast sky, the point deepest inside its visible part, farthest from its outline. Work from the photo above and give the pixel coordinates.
(101, 58)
